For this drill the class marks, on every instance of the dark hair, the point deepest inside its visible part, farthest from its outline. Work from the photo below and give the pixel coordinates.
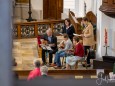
(37, 63)
(68, 20)
(76, 38)
(85, 19)
(65, 36)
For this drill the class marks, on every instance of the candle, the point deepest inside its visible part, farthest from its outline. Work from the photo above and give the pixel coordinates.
(105, 37)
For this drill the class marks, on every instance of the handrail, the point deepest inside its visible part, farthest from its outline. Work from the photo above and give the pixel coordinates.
(33, 29)
(75, 23)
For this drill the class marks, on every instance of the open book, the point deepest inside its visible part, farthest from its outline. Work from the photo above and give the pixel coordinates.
(61, 34)
(45, 47)
(76, 34)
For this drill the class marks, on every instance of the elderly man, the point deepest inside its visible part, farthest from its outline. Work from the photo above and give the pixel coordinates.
(52, 42)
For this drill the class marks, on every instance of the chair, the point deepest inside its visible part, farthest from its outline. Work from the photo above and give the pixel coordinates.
(63, 60)
(76, 65)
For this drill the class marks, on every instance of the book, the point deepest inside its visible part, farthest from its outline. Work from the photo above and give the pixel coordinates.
(61, 34)
(45, 47)
(76, 34)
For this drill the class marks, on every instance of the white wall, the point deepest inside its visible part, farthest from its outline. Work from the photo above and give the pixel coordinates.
(37, 7)
(99, 30)
(88, 5)
(21, 10)
(103, 22)
(81, 8)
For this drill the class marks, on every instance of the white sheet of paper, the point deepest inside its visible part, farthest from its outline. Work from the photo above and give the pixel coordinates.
(61, 34)
(48, 48)
(76, 34)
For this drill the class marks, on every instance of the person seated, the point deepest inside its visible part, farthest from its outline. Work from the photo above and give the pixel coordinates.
(51, 41)
(44, 71)
(15, 75)
(36, 72)
(44, 74)
(78, 53)
(14, 62)
(67, 44)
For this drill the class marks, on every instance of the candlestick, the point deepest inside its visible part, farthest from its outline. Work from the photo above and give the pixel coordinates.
(106, 44)
(105, 37)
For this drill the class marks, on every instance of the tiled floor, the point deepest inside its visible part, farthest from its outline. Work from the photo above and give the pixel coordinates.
(25, 51)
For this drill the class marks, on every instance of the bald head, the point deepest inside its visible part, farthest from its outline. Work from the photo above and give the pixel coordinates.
(49, 32)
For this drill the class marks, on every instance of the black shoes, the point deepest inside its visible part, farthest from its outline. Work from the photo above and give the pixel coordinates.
(86, 65)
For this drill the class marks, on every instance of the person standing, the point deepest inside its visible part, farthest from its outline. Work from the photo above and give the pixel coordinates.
(88, 38)
(68, 29)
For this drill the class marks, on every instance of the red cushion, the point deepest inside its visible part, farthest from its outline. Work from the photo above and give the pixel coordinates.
(38, 38)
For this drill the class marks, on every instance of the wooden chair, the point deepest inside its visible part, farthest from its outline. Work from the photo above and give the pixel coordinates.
(63, 60)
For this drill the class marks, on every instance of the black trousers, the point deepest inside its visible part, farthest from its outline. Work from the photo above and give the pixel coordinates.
(50, 52)
(88, 56)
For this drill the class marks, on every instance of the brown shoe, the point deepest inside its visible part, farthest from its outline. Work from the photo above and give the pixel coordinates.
(53, 65)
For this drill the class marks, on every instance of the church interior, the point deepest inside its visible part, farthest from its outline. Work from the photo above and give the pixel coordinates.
(24, 45)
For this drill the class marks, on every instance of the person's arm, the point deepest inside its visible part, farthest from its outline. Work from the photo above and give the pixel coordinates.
(77, 50)
(63, 29)
(73, 29)
(90, 29)
(67, 46)
(54, 42)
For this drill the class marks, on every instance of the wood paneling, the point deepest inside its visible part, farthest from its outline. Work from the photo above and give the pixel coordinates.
(45, 9)
(52, 9)
(88, 72)
(108, 8)
(113, 1)
(75, 23)
(105, 1)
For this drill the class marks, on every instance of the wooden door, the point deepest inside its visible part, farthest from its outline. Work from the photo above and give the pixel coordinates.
(52, 9)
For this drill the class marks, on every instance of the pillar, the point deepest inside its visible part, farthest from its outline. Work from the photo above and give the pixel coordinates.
(5, 42)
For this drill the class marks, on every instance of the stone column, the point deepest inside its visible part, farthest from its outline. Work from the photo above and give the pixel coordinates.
(5, 42)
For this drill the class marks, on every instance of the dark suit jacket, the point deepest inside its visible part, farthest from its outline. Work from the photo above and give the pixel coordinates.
(53, 41)
(69, 31)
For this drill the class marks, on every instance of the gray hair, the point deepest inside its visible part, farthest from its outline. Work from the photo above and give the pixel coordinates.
(37, 63)
(48, 30)
(44, 70)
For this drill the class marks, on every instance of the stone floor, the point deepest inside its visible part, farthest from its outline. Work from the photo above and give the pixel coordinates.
(25, 51)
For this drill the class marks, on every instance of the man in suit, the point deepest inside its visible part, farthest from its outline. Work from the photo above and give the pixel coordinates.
(52, 42)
